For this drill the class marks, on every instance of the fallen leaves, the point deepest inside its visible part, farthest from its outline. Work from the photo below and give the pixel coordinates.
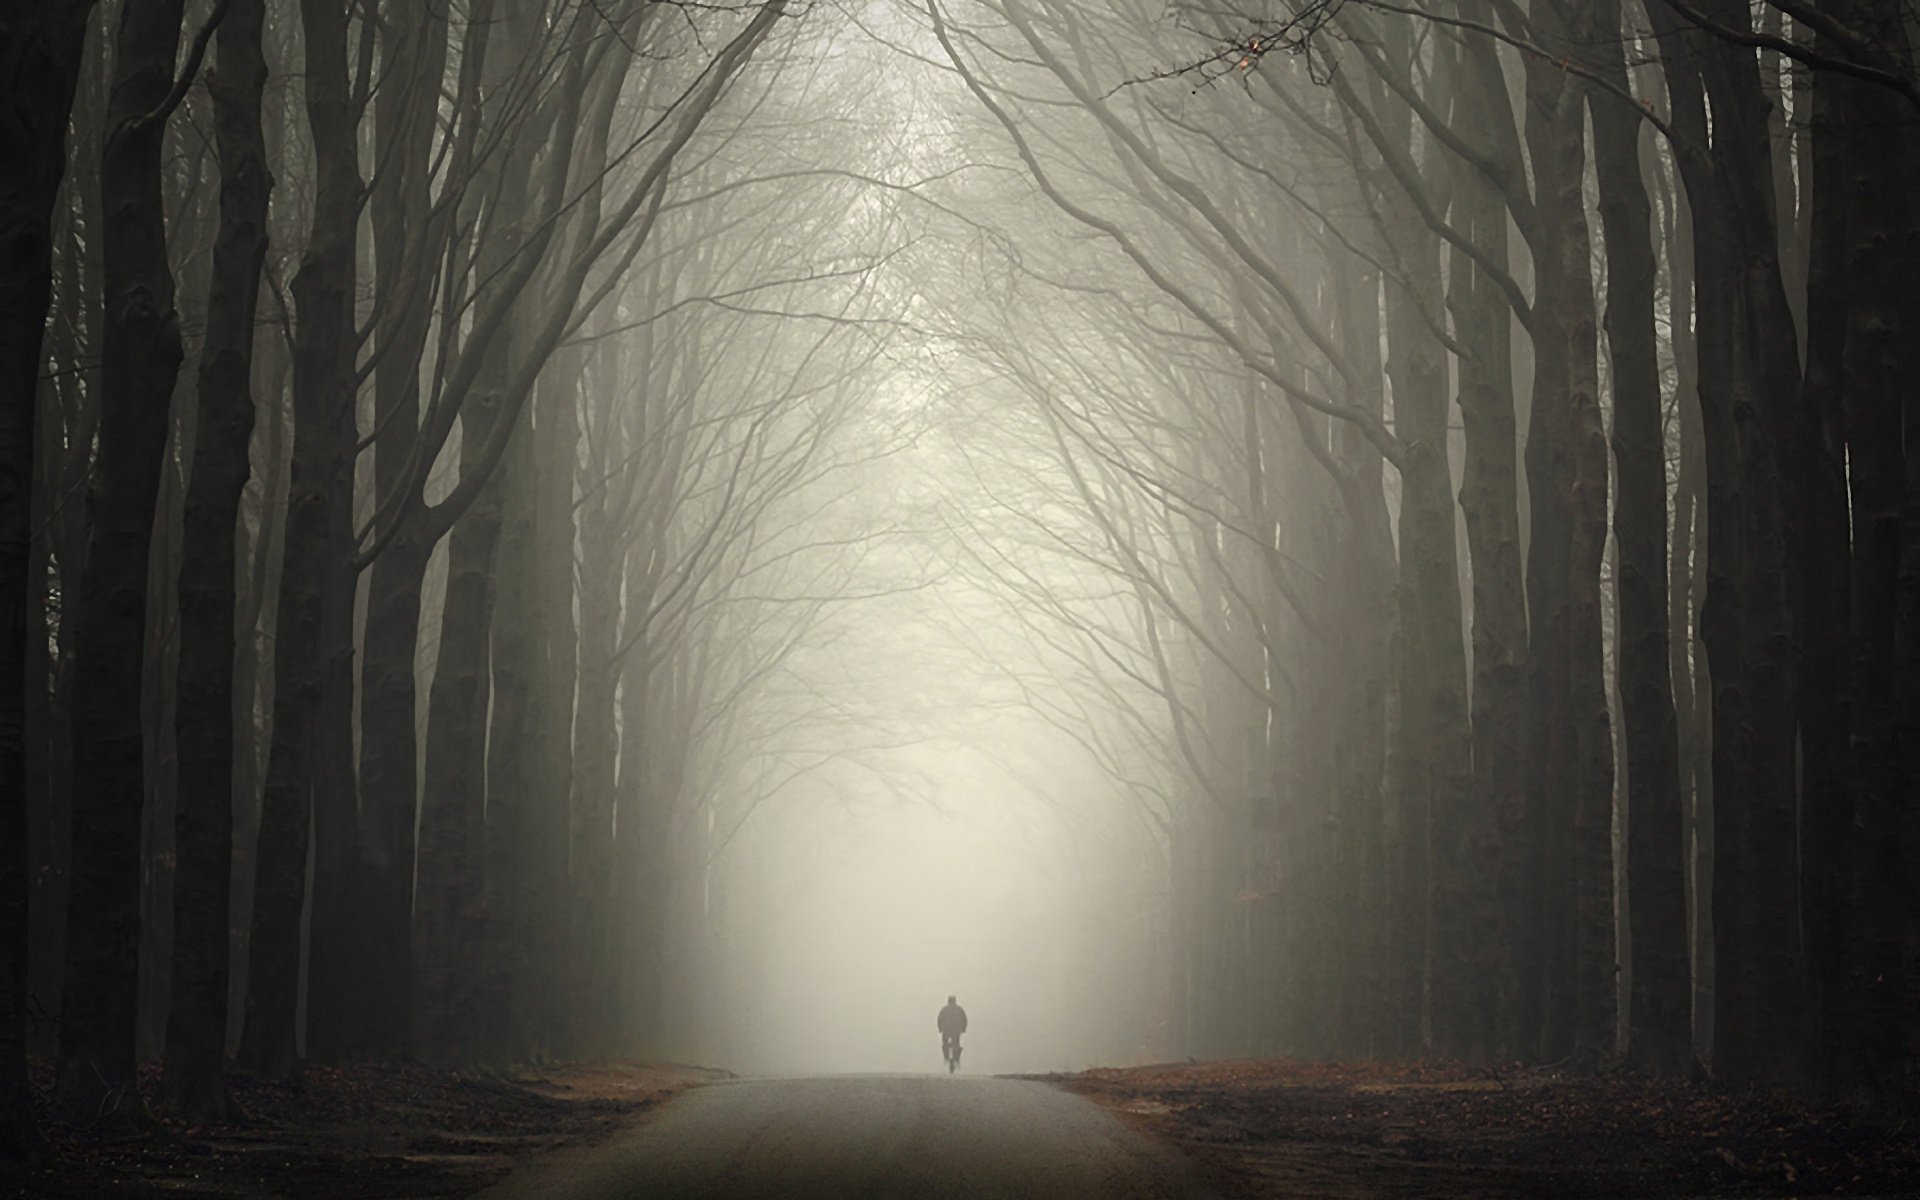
(1441, 1130)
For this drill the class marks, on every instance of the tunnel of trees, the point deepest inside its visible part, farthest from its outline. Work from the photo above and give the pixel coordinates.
(1450, 468)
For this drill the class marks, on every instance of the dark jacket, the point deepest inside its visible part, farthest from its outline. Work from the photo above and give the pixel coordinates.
(953, 1020)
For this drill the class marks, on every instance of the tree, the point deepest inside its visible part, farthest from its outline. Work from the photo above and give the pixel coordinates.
(41, 49)
(141, 356)
(208, 705)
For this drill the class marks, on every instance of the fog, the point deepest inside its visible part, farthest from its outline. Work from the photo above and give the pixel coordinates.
(888, 914)
(585, 530)
(935, 836)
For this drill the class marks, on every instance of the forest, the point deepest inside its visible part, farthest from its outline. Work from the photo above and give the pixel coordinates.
(1395, 522)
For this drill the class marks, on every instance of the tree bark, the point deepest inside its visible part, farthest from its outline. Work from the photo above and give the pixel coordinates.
(1571, 759)
(141, 359)
(1489, 502)
(1748, 365)
(253, 677)
(1831, 681)
(1659, 1019)
(1440, 899)
(1865, 252)
(1363, 558)
(1444, 835)
(450, 916)
(514, 762)
(599, 570)
(557, 437)
(406, 234)
(193, 1083)
(307, 661)
(40, 56)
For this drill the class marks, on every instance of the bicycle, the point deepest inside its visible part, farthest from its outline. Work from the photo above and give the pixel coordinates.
(950, 1050)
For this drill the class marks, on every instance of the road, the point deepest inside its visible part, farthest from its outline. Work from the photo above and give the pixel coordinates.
(930, 1137)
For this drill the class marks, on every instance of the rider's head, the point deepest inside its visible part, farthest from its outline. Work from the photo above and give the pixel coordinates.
(952, 1000)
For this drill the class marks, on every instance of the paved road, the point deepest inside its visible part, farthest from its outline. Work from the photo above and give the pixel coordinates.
(929, 1137)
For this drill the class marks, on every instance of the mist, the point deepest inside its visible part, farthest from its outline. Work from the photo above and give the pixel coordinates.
(546, 533)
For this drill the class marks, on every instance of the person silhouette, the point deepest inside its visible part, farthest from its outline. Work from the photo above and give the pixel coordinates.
(953, 1023)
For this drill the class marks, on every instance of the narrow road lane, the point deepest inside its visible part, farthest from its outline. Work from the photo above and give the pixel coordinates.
(928, 1137)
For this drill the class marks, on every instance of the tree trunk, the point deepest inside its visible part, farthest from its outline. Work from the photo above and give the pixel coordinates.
(193, 1084)
(557, 437)
(141, 357)
(1489, 502)
(1571, 759)
(1838, 720)
(40, 50)
(1748, 366)
(450, 926)
(1692, 684)
(1363, 557)
(595, 748)
(1444, 835)
(1442, 905)
(307, 663)
(405, 234)
(1659, 1019)
(253, 677)
(1865, 253)
(514, 760)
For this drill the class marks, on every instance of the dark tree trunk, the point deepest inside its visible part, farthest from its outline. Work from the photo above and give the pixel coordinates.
(193, 1084)
(599, 570)
(253, 676)
(1363, 558)
(513, 758)
(1686, 559)
(1570, 783)
(1489, 502)
(1749, 374)
(306, 662)
(1813, 459)
(1832, 685)
(68, 417)
(351, 1009)
(141, 357)
(1440, 901)
(590, 982)
(1866, 248)
(453, 931)
(451, 937)
(1659, 1016)
(405, 235)
(557, 438)
(1443, 900)
(40, 55)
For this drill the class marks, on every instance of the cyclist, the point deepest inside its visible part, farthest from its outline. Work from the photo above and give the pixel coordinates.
(953, 1023)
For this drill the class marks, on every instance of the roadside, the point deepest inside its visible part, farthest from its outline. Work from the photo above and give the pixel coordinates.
(1295, 1129)
(379, 1133)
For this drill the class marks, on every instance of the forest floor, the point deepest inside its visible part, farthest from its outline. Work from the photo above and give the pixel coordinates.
(1337, 1131)
(370, 1132)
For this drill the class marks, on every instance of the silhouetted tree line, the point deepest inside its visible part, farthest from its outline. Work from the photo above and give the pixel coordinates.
(1525, 521)
(1503, 453)
(246, 311)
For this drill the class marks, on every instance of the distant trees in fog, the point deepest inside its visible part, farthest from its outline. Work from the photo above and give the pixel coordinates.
(1504, 458)
(521, 224)
(1450, 464)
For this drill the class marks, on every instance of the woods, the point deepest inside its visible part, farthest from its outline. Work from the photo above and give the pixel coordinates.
(1441, 477)
(1591, 302)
